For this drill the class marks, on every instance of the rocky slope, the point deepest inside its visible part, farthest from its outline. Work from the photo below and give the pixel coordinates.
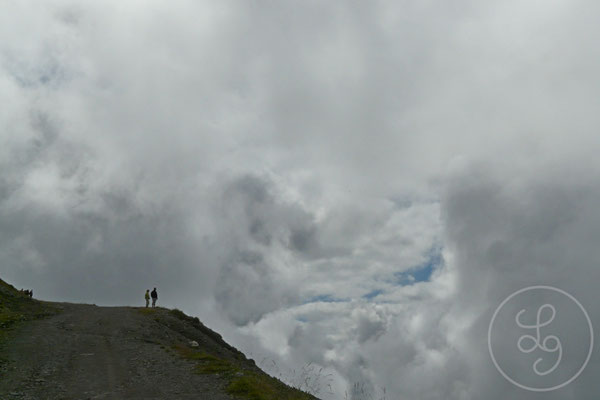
(76, 351)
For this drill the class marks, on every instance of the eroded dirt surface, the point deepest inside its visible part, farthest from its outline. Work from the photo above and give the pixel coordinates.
(89, 352)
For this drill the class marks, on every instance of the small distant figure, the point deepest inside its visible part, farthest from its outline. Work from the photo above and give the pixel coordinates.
(147, 297)
(27, 292)
(154, 296)
(31, 293)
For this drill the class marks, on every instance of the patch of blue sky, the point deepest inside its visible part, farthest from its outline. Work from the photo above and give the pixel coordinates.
(325, 298)
(372, 294)
(422, 272)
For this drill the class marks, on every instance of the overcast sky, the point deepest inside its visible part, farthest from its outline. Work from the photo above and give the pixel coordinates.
(356, 185)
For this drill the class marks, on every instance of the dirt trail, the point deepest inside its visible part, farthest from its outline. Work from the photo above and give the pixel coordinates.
(89, 352)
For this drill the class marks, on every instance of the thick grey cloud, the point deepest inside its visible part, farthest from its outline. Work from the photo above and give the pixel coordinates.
(510, 232)
(347, 184)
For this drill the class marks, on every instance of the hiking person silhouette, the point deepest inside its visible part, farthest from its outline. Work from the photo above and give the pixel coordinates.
(154, 296)
(147, 297)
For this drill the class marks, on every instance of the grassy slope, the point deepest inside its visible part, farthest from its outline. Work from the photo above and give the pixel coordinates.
(215, 357)
(15, 307)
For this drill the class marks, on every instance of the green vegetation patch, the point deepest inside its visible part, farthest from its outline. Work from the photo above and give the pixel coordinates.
(242, 383)
(9, 317)
(260, 386)
(207, 364)
(16, 307)
(253, 387)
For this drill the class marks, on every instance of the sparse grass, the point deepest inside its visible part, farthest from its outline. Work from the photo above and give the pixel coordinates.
(310, 378)
(241, 377)
(206, 363)
(241, 382)
(255, 386)
(9, 317)
(315, 380)
(361, 391)
(15, 307)
(251, 388)
(147, 311)
(181, 315)
(195, 322)
(267, 382)
(212, 365)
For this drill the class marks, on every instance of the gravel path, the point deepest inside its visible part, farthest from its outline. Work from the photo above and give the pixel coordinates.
(89, 352)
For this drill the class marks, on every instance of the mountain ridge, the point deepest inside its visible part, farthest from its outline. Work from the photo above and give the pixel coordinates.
(80, 351)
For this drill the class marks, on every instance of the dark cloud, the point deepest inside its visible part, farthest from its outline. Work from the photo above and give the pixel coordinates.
(510, 232)
(262, 229)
